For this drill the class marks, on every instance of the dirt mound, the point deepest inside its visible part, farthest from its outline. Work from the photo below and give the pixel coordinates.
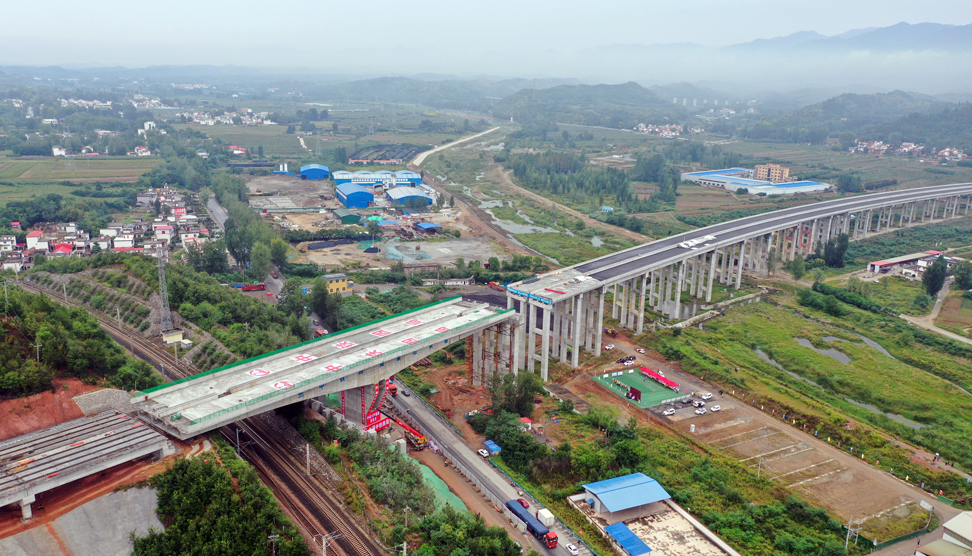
(24, 415)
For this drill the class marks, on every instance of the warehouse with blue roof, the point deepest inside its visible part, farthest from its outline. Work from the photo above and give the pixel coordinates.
(315, 172)
(625, 497)
(352, 195)
(382, 177)
(734, 179)
(408, 196)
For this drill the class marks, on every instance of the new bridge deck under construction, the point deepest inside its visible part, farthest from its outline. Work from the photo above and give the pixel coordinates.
(39, 461)
(188, 405)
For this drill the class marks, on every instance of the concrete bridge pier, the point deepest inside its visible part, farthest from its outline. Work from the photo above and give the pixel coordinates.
(26, 512)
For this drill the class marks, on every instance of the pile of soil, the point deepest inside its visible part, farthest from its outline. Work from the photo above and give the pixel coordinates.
(32, 413)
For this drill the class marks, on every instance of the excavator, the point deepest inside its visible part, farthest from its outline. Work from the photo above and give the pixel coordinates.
(611, 332)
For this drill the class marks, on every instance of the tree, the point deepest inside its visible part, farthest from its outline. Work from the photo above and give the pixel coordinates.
(158, 207)
(260, 262)
(452, 201)
(849, 183)
(798, 267)
(819, 275)
(239, 241)
(278, 251)
(770, 261)
(494, 264)
(260, 151)
(325, 305)
(963, 274)
(934, 277)
(834, 251)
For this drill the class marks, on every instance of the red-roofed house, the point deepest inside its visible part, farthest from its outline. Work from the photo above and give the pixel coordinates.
(15, 226)
(33, 238)
(163, 233)
(63, 249)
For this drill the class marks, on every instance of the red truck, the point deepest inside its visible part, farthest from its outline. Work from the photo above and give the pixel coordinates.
(497, 286)
(254, 287)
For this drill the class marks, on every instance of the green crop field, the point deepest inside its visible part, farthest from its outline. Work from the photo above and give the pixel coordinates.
(652, 393)
(55, 169)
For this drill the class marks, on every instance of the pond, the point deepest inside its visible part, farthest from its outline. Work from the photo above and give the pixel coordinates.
(765, 357)
(893, 416)
(832, 353)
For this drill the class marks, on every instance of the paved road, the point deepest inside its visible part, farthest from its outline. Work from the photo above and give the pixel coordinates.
(421, 157)
(444, 435)
(217, 212)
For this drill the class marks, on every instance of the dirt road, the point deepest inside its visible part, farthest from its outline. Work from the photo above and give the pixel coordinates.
(422, 156)
(502, 177)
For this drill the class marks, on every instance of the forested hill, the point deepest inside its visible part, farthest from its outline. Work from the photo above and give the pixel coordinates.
(854, 111)
(858, 114)
(949, 128)
(457, 95)
(624, 105)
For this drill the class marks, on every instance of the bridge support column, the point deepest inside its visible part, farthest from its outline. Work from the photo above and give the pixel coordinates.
(518, 350)
(724, 265)
(600, 321)
(641, 304)
(713, 258)
(591, 330)
(580, 306)
(545, 343)
(678, 290)
(814, 230)
(556, 328)
(967, 204)
(622, 302)
(477, 359)
(739, 268)
(867, 222)
(25, 509)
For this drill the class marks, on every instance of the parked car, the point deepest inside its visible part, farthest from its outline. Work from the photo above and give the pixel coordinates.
(688, 401)
(699, 404)
(669, 411)
(480, 451)
(640, 350)
(609, 347)
(706, 396)
(572, 549)
(523, 503)
(715, 408)
(700, 411)
(406, 393)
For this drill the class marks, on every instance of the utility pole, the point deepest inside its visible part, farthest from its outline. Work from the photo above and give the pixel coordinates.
(324, 540)
(760, 468)
(404, 548)
(273, 542)
(308, 459)
(407, 509)
(38, 346)
(64, 289)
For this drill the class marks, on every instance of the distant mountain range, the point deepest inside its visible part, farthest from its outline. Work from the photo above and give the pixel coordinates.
(902, 37)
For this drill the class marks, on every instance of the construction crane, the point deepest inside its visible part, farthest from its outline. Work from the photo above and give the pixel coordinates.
(415, 438)
(166, 323)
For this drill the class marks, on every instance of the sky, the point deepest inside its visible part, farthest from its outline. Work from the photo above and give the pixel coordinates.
(507, 38)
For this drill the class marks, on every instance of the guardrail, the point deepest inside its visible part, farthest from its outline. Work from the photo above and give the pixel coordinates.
(535, 501)
(354, 365)
(434, 411)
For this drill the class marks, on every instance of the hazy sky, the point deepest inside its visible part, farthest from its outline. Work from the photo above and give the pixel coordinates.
(304, 32)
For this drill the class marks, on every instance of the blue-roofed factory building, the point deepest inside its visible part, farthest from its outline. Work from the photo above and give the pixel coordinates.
(408, 196)
(384, 177)
(640, 518)
(315, 172)
(630, 492)
(733, 179)
(354, 196)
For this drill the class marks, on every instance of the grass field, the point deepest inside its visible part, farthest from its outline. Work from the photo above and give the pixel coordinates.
(652, 393)
(273, 138)
(54, 169)
(956, 312)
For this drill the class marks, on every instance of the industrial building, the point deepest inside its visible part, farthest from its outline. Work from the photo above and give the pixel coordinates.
(315, 172)
(408, 196)
(385, 178)
(638, 516)
(352, 195)
(345, 216)
(956, 538)
(733, 179)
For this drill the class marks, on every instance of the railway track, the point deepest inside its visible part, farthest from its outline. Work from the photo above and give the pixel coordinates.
(159, 358)
(314, 510)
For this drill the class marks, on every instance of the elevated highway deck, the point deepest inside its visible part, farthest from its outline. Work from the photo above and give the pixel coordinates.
(359, 357)
(40, 461)
(566, 307)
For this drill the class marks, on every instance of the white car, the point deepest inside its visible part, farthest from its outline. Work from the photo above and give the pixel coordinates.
(669, 411)
(700, 411)
(715, 408)
(706, 396)
(482, 453)
(628, 363)
(609, 347)
(640, 350)
(572, 549)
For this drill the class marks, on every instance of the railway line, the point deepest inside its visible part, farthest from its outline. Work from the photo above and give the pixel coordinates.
(315, 511)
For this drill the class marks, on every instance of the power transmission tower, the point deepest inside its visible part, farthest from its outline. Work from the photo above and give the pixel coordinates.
(164, 295)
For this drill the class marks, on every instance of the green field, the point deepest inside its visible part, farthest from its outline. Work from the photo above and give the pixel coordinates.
(55, 169)
(273, 138)
(652, 393)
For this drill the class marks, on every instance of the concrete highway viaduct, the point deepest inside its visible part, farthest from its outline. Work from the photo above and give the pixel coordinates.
(563, 311)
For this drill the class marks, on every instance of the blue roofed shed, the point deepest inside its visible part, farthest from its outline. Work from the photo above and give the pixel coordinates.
(625, 497)
(428, 226)
(627, 540)
(315, 172)
(354, 196)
